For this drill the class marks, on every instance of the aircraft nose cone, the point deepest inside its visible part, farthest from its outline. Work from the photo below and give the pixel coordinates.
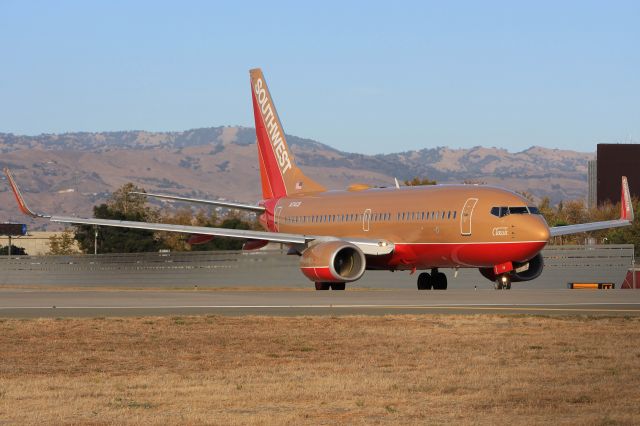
(542, 231)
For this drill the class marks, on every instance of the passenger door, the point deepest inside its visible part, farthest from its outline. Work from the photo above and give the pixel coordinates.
(366, 218)
(465, 217)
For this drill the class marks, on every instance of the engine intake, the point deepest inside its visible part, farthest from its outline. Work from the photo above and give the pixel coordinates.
(522, 271)
(333, 261)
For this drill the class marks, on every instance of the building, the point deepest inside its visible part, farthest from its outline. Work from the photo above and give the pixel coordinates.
(592, 195)
(615, 161)
(34, 243)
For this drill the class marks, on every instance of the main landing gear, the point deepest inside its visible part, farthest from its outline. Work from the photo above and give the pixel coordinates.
(436, 280)
(332, 286)
(503, 282)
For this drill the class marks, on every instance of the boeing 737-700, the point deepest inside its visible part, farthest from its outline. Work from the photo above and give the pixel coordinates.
(340, 234)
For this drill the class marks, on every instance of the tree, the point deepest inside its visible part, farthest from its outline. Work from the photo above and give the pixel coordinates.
(574, 212)
(133, 205)
(173, 240)
(223, 243)
(121, 206)
(15, 250)
(62, 244)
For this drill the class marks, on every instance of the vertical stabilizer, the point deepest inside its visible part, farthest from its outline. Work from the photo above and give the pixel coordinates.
(279, 174)
(626, 206)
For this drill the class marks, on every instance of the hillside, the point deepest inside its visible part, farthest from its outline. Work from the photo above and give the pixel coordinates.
(70, 173)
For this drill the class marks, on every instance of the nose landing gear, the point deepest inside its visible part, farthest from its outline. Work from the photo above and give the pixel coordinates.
(503, 282)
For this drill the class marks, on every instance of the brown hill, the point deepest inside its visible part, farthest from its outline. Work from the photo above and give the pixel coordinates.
(70, 173)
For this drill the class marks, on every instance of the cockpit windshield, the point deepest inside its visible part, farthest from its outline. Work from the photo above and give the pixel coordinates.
(504, 211)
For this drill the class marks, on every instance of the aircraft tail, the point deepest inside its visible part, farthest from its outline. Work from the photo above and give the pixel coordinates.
(278, 171)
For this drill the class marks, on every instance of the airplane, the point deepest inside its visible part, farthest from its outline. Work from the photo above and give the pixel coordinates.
(338, 235)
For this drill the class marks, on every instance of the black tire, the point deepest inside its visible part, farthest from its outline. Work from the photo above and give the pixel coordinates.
(498, 284)
(322, 286)
(440, 282)
(424, 281)
(444, 283)
(338, 286)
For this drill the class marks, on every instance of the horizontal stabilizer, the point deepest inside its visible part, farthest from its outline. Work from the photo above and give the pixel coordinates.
(219, 203)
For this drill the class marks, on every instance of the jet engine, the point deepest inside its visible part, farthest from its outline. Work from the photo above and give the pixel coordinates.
(333, 261)
(522, 271)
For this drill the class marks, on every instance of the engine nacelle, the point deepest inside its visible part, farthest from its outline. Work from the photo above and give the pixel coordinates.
(522, 271)
(333, 261)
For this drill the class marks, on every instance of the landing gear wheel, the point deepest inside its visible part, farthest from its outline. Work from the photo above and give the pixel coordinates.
(424, 281)
(337, 286)
(440, 281)
(322, 286)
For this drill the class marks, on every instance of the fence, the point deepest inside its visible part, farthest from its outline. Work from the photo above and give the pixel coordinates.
(598, 263)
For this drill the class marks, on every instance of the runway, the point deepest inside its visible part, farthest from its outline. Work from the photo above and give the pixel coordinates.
(33, 303)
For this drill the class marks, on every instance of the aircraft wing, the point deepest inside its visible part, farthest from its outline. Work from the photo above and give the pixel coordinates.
(276, 237)
(586, 227)
(368, 246)
(626, 217)
(228, 204)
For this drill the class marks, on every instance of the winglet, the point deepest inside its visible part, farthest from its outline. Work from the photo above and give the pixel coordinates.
(19, 198)
(626, 206)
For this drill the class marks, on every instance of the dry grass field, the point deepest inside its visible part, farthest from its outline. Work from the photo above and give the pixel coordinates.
(410, 369)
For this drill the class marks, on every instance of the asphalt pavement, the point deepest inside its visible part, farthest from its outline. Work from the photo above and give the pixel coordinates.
(30, 303)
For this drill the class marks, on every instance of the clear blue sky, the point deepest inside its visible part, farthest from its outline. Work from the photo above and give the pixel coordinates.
(365, 76)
